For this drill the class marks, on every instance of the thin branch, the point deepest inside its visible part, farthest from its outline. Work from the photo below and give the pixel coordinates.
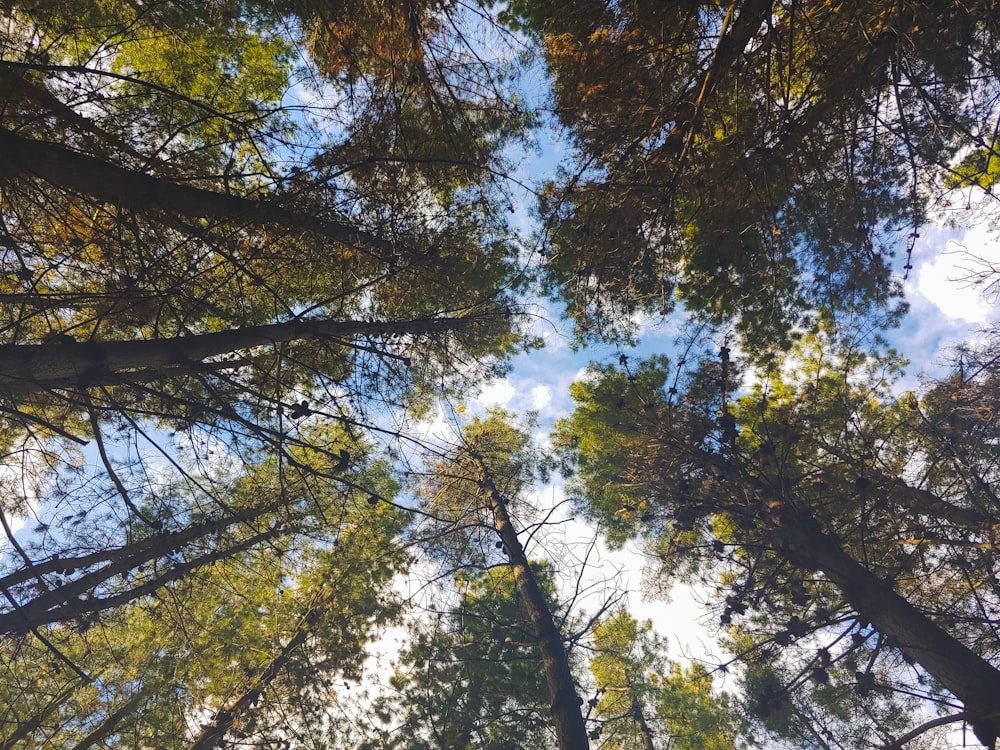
(898, 743)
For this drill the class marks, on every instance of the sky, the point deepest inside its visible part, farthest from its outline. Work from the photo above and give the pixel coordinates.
(945, 309)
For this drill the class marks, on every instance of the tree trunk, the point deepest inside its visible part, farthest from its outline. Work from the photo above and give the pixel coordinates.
(29, 368)
(28, 727)
(571, 729)
(110, 725)
(73, 600)
(737, 32)
(968, 676)
(965, 674)
(213, 733)
(141, 551)
(644, 728)
(90, 175)
(924, 502)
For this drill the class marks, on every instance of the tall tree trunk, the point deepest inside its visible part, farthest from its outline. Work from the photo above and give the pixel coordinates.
(90, 175)
(737, 32)
(110, 724)
(644, 728)
(968, 676)
(29, 368)
(571, 730)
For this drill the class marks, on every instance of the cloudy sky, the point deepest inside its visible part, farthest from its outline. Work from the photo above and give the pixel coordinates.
(946, 308)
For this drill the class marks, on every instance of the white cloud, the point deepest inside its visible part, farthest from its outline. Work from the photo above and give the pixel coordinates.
(439, 427)
(592, 574)
(498, 393)
(541, 395)
(941, 281)
(947, 279)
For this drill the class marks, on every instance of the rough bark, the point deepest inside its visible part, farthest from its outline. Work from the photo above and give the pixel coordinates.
(29, 368)
(571, 730)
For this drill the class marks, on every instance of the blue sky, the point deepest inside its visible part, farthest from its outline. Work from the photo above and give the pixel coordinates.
(945, 309)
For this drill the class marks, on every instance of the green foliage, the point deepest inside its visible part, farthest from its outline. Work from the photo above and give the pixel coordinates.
(821, 450)
(978, 169)
(756, 162)
(249, 644)
(598, 441)
(646, 700)
(269, 227)
(470, 677)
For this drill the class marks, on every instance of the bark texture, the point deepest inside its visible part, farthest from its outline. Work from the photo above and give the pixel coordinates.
(968, 676)
(964, 673)
(76, 171)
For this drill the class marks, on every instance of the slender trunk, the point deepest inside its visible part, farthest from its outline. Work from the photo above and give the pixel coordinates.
(110, 724)
(571, 730)
(214, 732)
(644, 728)
(27, 728)
(19, 85)
(927, 503)
(737, 32)
(93, 176)
(75, 600)
(29, 368)
(136, 553)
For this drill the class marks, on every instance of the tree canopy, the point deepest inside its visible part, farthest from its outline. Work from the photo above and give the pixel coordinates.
(249, 249)
(757, 161)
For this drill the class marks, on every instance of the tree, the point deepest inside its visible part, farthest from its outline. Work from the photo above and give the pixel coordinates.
(243, 649)
(761, 162)
(469, 677)
(646, 701)
(240, 242)
(194, 264)
(823, 506)
(471, 496)
(758, 160)
(233, 244)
